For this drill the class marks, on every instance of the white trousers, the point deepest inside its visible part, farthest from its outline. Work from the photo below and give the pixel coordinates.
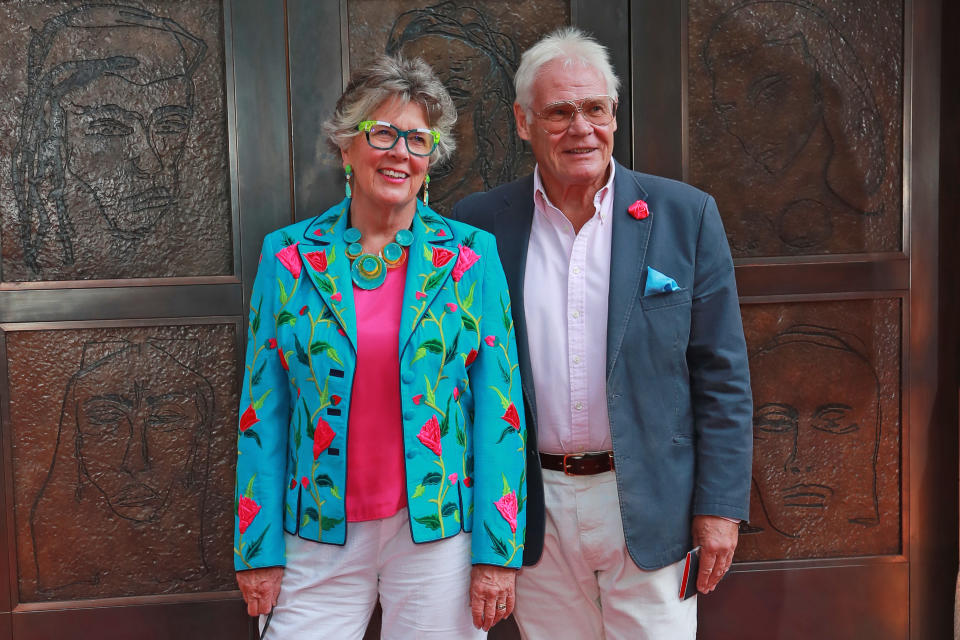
(586, 586)
(329, 591)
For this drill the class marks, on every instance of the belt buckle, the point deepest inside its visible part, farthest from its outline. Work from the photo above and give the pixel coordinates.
(565, 467)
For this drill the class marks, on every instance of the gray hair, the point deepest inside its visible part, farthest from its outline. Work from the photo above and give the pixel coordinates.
(572, 46)
(409, 80)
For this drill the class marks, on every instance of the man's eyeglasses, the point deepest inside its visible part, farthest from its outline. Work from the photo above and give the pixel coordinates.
(383, 135)
(597, 110)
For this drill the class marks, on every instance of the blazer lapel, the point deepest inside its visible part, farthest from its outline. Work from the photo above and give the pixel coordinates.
(324, 259)
(512, 230)
(430, 262)
(627, 256)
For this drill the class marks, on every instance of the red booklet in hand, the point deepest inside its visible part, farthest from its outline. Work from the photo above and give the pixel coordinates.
(688, 584)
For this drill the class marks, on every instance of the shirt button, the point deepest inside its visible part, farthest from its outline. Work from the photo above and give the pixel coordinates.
(576, 270)
(576, 359)
(578, 406)
(407, 377)
(575, 314)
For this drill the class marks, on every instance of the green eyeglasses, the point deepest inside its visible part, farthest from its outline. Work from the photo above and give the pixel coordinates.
(383, 135)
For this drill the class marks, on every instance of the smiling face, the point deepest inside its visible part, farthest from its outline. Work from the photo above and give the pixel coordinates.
(815, 437)
(580, 155)
(388, 180)
(124, 142)
(138, 420)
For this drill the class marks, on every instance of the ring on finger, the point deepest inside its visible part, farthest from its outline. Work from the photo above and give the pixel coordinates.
(501, 606)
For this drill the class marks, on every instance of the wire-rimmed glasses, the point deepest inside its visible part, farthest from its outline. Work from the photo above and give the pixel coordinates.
(597, 110)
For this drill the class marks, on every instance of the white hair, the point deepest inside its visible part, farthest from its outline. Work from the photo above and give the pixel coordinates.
(570, 45)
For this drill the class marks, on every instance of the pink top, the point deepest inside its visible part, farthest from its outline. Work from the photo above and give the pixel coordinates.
(566, 315)
(375, 470)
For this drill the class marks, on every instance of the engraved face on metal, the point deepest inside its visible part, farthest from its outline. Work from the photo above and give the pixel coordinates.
(816, 431)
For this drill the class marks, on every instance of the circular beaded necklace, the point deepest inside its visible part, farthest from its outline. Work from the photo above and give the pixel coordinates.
(369, 270)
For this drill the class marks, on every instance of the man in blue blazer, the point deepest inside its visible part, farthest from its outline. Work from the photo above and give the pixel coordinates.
(632, 360)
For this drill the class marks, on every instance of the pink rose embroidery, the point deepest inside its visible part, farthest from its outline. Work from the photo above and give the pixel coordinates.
(290, 258)
(470, 358)
(456, 392)
(430, 435)
(452, 306)
(452, 478)
(639, 210)
(283, 359)
(304, 309)
(335, 400)
(417, 398)
(317, 260)
(467, 481)
(441, 256)
(441, 232)
(465, 260)
(272, 343)
(305, 482)
(511, 417)
(490, 340)
(322, 437)
(336, 297)
(249, 418)
(507, 506)
(247, 510)
(420, 295)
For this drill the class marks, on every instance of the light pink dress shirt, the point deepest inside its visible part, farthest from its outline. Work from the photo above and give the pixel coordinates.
(567, 281)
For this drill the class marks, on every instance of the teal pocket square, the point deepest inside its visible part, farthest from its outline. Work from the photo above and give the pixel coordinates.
(658, 283)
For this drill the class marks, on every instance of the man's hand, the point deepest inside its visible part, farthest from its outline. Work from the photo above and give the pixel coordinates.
(491, 594)
(717, 538)
(260, 588)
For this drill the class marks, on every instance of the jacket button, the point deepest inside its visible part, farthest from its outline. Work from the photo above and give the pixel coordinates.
(408, 415)
(407, 377)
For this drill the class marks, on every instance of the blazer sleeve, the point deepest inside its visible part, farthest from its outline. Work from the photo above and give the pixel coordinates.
(264, 421)
(719, 378)
(499, 429)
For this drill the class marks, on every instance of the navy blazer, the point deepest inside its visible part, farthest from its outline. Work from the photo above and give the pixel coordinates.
(678, 384)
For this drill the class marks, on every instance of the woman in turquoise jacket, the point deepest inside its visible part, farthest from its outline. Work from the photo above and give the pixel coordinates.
(381, 406)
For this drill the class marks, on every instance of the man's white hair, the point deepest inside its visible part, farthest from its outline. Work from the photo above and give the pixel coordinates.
(571, 46)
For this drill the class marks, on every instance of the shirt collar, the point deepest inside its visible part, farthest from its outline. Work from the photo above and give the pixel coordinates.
(542, 202)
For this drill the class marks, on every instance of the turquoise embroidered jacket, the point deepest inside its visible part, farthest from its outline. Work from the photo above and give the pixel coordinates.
(463, 421)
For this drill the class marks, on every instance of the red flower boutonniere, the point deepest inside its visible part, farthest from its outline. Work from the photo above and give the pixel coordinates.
(639, 210)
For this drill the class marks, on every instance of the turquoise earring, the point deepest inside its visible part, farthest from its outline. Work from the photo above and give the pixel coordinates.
(426, 190)
(347, 172)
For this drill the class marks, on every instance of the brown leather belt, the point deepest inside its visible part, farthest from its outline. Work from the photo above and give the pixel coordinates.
(578, 464)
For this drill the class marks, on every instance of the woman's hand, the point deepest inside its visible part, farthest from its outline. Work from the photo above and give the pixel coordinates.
(491, 594)
(260, 588)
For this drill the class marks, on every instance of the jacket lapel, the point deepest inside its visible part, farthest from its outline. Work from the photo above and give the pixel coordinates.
(512, 230)
(430, 262)
(627, 256)
(325, 261)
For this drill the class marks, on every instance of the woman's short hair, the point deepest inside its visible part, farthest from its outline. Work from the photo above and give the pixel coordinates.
(572, 46)
(409, 80)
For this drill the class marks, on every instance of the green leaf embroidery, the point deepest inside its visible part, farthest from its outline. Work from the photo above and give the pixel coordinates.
(301, 352)
(431, 397)
(258, 403)
(283, 291)
(470, 240)
(452, 351)
(432, 345)
(250, 433)
(504, 401)
(431, 478)
(508, 430)
(287, 240)
(469, 324)
(323, 480)
(506, 485)
(249, 492)
(418, 491)
(254, 549)
(449, 508)
(332, 255)
(468, 301)
(311, 513)
(332, 354)
(324, 284)
(419, 354)
(329, 523)
(427, 254)
(317, 346)
(503, 372)
(498, 546)
(255, 379)
(286, 317)
(297, 436)
(434, 280)
(335, 493)
(445, 422)
(255, 323)
(431, 521)
(462, 436)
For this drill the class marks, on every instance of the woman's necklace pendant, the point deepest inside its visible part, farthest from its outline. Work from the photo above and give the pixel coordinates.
(369, 270)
